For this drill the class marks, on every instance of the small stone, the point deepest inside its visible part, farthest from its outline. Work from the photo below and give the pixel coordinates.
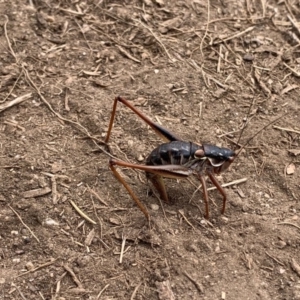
(24, 231)
(114, 221)
(154, 207)
(140, 158)
(248, 57)
(26, 239)
(225, 219)
(281, 270)
(51, 222)
(29, 266)
(130, 143)
(83, 261)
(281, 244)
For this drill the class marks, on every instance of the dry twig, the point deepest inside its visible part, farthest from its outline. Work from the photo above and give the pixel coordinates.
(231, 37)
(206, 29)
(198, 285)
(74, 277)
(100, 293)
(24, 223)
(286, 129)
(39, 267)
(156, 37)
(15, 101)
(238, 181)
(135, 291)
(82, 213)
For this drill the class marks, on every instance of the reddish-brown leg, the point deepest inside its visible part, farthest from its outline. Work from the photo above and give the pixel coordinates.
(159, 184)
(155, 173)
(129, 190)
(220, 189)
(160, 130)
(205, 195)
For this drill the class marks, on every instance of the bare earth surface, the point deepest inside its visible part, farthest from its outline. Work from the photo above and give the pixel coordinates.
(193, 66)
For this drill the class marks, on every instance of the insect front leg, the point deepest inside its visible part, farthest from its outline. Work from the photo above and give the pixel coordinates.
(205, 195)
(220, 189)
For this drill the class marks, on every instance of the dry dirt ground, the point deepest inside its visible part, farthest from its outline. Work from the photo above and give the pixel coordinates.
(68, 228)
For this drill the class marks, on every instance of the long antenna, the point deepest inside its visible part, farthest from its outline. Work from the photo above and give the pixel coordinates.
(245, 124)
(258, 132)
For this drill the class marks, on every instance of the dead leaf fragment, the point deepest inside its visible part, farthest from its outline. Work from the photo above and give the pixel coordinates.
(290, 169)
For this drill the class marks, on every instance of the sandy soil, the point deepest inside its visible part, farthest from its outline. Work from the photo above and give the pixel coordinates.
(68, 228)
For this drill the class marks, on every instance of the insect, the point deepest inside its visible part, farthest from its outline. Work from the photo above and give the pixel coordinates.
(176, 159)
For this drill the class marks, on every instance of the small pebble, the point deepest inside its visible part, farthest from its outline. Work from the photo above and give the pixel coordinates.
(154, 207)
(130, 143)
(29, 266)
(51, 222)
(16, 260)
(281, 244)
(248, 57)
(140, 158)
(281, 270)
(225, 219)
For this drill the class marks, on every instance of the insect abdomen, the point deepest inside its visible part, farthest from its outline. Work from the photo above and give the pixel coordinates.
(173, 153)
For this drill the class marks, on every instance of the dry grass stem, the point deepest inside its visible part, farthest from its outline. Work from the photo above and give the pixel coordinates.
(74, 277)
(101, 292)
(289, 224)
(135, 291)
(239, 34)
(234, 182)
(197, 284)
(39, 267)
(206, 29)
(19, 217)
(286, 129)
(97, 196)
(159, 41)
(82, 213)
(122, 249)
(181, 212)
(15, 101)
